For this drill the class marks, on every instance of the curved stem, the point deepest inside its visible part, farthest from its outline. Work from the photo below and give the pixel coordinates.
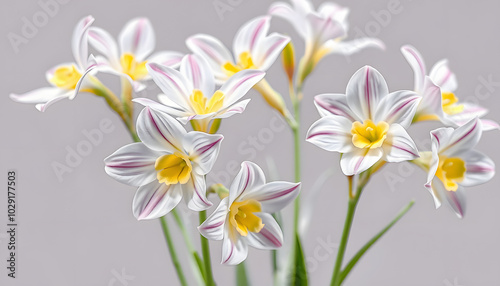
(173, 253)
(205, 247)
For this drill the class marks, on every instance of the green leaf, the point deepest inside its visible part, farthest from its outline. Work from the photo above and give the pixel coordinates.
(241, 275)
(298, 276)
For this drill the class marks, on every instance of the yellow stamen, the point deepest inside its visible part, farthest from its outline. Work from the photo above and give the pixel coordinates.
(369, 135)
(66, 77)
(243, 219)
(173, 169)
(450, 171)
(202, 105)
(245, 61)
(449, 103)
(133, 68)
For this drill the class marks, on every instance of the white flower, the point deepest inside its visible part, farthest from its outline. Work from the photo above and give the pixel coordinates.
(136, 43)
(67, 79)
(244, 217)
(438, 94)
(367, 124)
(454, 164)
(167, 165)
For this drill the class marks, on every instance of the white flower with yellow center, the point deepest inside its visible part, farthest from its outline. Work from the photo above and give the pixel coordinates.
(136, 43)
(439, 102)
(244, 217)
(66, 79)
(190, 94)
(454, 164)
(167, 165)
(367, 124)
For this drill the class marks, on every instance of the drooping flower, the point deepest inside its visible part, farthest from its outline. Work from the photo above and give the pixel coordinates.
(323, 31)
(189, 94)
(252, 49)
(367, 124)
(244, 217)
(66, 79)
(437, 89)
(454, 164)
(167, 165)
(129, 58)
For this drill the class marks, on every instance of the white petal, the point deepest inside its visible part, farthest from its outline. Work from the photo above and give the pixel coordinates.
(364, 92)
(469, 112)
(155, 200)
(239, 84)
(213, 227)
(464, 138)
(104, 43)
(41, 95)
(336, 104)
(285, 11)
(269, 50)
(269, 237)
(250, 35)
(249, 177)
(233, 252)
(166, 105)
(332, 133)
(195, 193)
(398, 146)
(353, 46)
(42, 107)
(196, 70)
(79, 42)
(133, 164)
(489, 125)
(91, 66)
(417, 64)
(137, 38)
(324, 29)
(273, 196)
(359, 160)
(236, 108)
(167, 58)
(443, 76)
(456, 200)
(172, 83)
(479, 168)
(213, 51)
(159, 131)
(334, 11)
(203, 150)
(431, 103)
(398, 107)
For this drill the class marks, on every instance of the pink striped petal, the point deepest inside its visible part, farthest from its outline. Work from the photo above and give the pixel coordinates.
(286, 12)
(250, 35)
(167, 58)
(417, 64)
(167, 105)
(489, 125)
(323, 29)
(359, 160)
(160, 132)
(462, 139)
(443, 76)
(196, 70)
(236, 108)
(248, 178)
(398, 146)
(155, 200)
(456, 200)
(203, 150)
(104, 43)
(269, 237)
(398, 107)
(332, 133)
(79, 41)
(269, 49)
(431, 103)
(173, 83)
(234, 251)
(334, 104)
(137, 38)
(239, 84)
(213, 227)
(273, 196)
(195, 193)
(479, 168)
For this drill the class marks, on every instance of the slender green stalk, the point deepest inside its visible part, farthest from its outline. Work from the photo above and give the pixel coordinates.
(205, 247)
(296, 140)
(241, 275)
(173, 253)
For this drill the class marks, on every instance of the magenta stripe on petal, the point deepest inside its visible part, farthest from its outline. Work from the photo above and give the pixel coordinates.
(367, 91)
(213, 225)
(465, 135)
(152, 203)
(256, 32)
(280, 194)
(269, 236)
(158, 70)
(479, 169)
(195, 70)
(208, 147)
(230, 254)
(406, 150)
(138, 33)
(129, 165)
(322, 133)
(156, 126)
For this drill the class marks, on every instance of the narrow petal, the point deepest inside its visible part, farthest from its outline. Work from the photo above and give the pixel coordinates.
(398, 146)
(104, 43)
(334, 11)
(269, 50)
(456, 200)
(469, 112)
(172, 83)
(236, 108)
(213, 227)
(431, 103)
(167, 58)
(334, 104)
(234, 251)
(489, 125)
(398, 107)
(286, 12)
(249, 177)
(203, 149)
(324, 29)
(195, 193)
(155, 200)
(196, 70)
(479, 168)
(332, 133)
(159, 131)
(464, 138)
(42, 107)
(360, 160)
(273, 196)
(239, 84)
(166, 105)
(216, 54)
(417, 64)
(269, 237)
(443, 76)
(138, 38)
(133, 164)
(250, 35)
(348, 48)
(364, 92)
(79, 42)
(40, 95)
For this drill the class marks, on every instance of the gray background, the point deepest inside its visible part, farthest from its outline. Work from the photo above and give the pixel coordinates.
(81, 231)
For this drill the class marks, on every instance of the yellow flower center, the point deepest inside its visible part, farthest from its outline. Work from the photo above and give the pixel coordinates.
(450, 171)
(449, 103)
(244, 62)
(202, 105)
(369, 135)
(133, 68)
(173, 169)
(66, 77)
(243, 219)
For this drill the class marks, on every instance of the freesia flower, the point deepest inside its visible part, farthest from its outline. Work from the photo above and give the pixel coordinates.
(189, 94)
(252, 49)
(66, 79)
(454, 164)
(136, 43)
(167, 165)
(367, 124)
(439, 101)
(244, 217)
(323, 31)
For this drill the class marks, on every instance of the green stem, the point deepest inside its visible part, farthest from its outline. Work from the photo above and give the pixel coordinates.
(296, 140)
(206, 253)
(241, 275)
(372, 241)
(173, 253)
